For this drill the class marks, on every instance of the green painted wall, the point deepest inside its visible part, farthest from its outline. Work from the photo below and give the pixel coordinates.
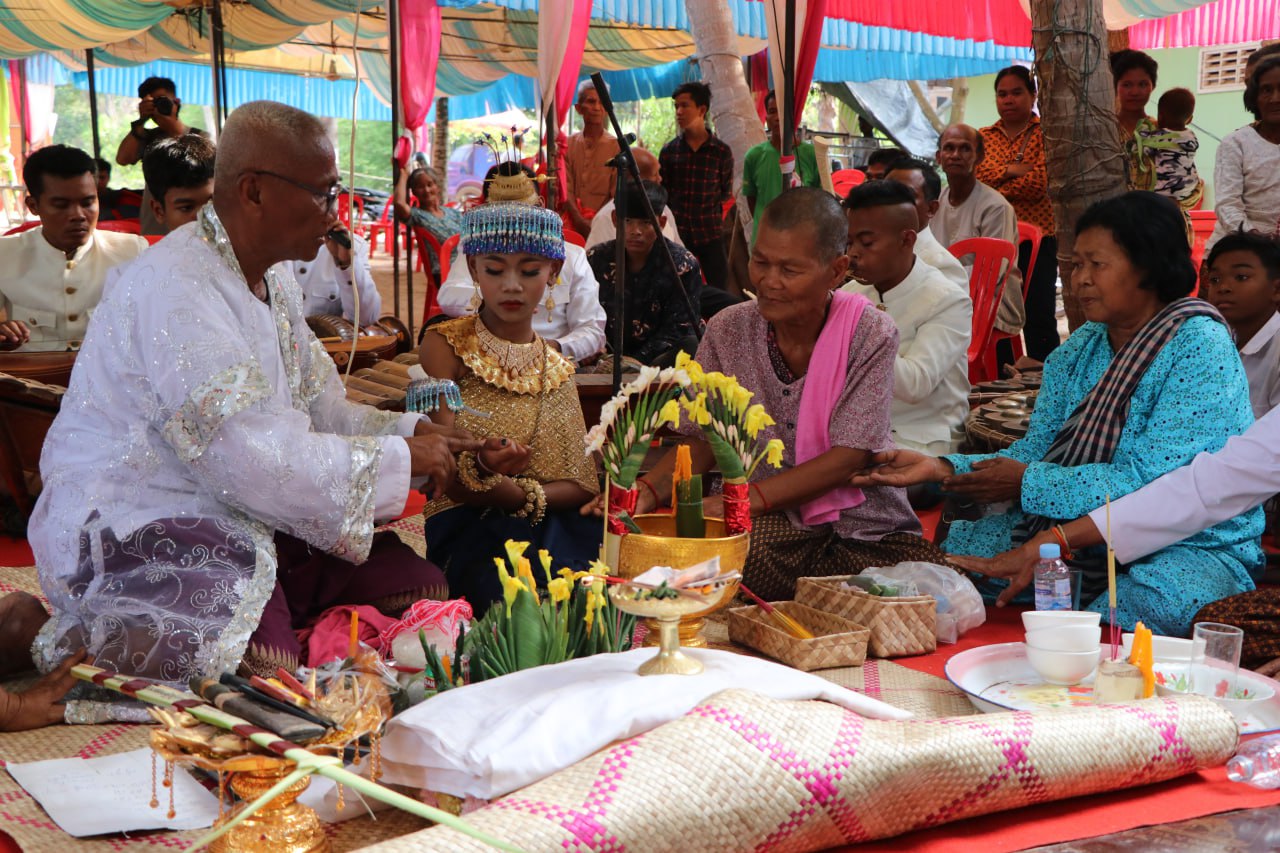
(1217, 114)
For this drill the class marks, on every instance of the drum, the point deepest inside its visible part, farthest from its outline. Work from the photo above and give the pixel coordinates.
(27, 410)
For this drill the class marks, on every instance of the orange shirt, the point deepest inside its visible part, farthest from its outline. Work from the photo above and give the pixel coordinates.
(1029, 194)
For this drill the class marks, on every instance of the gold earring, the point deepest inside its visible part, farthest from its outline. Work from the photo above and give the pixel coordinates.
(476, 300)
(551, 299)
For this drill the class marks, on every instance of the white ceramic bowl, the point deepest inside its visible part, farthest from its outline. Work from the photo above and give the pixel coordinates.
(1062, 667)
(1034, 620)
(1066, 638)
(1245, 699)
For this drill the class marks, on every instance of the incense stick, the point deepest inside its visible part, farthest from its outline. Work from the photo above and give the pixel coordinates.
(1111, 587)
(788, 624)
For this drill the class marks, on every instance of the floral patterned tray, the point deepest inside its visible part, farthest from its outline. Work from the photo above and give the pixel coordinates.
(999, 678)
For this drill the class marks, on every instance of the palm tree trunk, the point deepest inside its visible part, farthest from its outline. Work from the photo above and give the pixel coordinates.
(1082, 140)
(440, 148)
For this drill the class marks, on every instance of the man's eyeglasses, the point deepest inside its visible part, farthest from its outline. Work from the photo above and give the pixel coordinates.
(328, 197)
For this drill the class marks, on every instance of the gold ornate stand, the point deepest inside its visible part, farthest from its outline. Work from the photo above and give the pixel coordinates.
(658, 545)
(282, 825)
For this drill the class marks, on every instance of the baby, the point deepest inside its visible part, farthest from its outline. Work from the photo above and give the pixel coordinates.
(1172, 149)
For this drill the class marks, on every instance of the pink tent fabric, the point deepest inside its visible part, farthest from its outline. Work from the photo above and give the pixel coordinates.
(1222, 22)
(809, 18)
(562, 41)
(419, 57)
(1001, 21)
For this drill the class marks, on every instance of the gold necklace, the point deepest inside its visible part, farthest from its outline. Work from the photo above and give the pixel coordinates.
(515, 359)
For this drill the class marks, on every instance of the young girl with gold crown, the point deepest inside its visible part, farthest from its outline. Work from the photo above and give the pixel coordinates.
(531, 490)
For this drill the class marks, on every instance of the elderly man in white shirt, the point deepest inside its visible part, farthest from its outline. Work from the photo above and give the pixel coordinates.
(574, 323)
(331, 282)
(933, 316)
(53, 273)
(969, 208)
(208, 487)
(926, 187)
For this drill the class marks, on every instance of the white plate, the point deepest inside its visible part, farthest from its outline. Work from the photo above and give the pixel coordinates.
(999, 678)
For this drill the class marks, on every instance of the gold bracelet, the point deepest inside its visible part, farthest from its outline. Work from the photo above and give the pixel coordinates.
(535, 505)
(469, 474)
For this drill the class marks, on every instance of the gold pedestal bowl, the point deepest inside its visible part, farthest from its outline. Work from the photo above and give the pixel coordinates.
(658, 545)
(667, 613)
(283, 825)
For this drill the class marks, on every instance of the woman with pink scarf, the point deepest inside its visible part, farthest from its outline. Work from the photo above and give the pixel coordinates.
(821, 363)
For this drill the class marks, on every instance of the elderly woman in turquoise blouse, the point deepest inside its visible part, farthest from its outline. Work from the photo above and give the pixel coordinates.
(1150, 381)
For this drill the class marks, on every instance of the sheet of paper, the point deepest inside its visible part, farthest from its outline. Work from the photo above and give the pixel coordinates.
(95, 796)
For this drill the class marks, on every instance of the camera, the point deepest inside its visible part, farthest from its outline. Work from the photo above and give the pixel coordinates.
(164, 105)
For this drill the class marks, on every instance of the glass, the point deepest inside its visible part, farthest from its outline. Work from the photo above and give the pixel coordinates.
(1215, 658)
(1077, 578)
(328, 197)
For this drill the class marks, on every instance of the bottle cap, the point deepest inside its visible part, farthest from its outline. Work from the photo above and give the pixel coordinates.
(1050, 551)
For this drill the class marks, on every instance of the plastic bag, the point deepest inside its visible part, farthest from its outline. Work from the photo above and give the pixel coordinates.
(960, 607)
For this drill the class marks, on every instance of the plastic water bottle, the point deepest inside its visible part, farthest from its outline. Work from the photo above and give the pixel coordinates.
(1257, 763)
(1053, 581)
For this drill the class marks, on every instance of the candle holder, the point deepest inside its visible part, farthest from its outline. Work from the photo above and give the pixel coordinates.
(658, 545)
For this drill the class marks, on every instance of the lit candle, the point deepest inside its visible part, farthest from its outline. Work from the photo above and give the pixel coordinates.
(355, 633)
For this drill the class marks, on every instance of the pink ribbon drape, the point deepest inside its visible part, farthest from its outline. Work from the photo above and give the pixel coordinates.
(419, 58)
(562, 41)
(807, 27)
(19, 104)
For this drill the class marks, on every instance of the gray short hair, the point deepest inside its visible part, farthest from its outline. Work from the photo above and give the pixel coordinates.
(262, 133)
(815, 207)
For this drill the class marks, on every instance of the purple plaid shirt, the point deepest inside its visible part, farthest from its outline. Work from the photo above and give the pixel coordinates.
(697, 183)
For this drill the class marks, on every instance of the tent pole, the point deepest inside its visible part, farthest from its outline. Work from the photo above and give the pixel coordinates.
(393, 59)
(93, 103)
(788, 99)
(215, 60)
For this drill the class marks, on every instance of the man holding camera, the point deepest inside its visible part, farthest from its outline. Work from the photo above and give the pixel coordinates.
(158, 104)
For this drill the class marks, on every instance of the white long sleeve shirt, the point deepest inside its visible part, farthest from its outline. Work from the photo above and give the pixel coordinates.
(931, 373)
(1213, 488)
(1246, 185)
(329, 290)
(54, 296)
(603, 229)
(577, 320)
(193, 399)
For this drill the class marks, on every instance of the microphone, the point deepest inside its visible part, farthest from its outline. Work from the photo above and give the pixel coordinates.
(619, 160)
(342, 238)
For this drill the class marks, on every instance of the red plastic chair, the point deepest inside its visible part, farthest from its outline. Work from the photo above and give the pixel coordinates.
(386, 224)
(26, 226)
(1202, 224)
(124, 226)
(844, 180)
(447, 251)
(992, 260)
(575, 238)
(1027, 233)
(152, 239)
(425, 240)
(344, 214)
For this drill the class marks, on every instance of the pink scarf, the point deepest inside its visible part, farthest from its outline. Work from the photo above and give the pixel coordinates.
(823, 385)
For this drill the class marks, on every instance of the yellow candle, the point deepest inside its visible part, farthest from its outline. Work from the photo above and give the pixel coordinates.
(683, 470)
(355, 633)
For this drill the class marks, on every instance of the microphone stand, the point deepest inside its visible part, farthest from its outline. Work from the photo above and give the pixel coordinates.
(625, 160)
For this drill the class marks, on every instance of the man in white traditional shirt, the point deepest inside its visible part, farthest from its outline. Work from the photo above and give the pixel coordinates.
(574, 323)
(330, 283)
(933, 316)
(969, 208)
(207, 486)
(53, 273)
(602, 227)
(925, 185)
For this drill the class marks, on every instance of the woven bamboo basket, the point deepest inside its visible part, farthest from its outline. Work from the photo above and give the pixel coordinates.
(836, 641)
(900, 626)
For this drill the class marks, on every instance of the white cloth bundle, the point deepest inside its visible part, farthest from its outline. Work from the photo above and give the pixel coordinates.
(489, 739)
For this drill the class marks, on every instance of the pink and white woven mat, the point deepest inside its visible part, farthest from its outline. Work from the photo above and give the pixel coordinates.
(742, 772)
